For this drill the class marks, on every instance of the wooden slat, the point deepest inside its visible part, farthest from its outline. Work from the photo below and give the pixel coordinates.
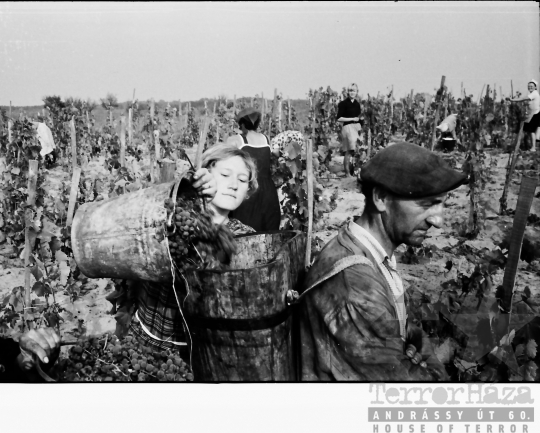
(73, 195)
(32, 183)
(202, 141)
(523, 208)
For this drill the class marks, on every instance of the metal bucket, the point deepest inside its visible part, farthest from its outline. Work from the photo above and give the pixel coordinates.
(124, 237)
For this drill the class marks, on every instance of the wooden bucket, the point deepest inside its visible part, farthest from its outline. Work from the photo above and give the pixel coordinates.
(239, 320)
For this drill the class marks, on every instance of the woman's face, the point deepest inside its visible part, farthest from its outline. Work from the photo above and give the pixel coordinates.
(352, 92)
(232, 178)
(531, 87)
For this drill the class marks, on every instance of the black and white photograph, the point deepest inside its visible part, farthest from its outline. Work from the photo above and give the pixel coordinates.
(330, 210)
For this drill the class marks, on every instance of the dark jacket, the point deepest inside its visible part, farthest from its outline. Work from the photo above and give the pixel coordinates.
(348, 323)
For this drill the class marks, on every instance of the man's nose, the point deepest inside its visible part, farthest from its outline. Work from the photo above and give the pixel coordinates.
(436, 220)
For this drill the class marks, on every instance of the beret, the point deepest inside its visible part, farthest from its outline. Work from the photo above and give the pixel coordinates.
(409, 170)
(249, 113)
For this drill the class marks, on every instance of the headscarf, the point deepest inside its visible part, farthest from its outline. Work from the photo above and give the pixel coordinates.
(534, 82)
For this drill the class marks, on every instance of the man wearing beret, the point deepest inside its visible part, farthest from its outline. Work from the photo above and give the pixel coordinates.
(353, 312)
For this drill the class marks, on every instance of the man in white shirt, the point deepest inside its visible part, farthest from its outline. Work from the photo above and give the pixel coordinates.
(353, 312)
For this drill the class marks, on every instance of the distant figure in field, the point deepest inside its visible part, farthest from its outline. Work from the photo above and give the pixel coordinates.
(448, 127)
(261, 210)
(349, 115)
(532, 121)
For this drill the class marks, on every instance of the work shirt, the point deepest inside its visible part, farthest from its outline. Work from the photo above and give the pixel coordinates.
(533, 105)
(348, 109)
(388, 267)
(349, 324)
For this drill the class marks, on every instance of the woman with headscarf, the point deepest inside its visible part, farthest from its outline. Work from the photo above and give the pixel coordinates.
(532, 121)
(261, 211)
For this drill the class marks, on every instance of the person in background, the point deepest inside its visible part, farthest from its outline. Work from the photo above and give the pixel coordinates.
(353, 309)
(349, 115)
(261, 211)
(18, 360)
(158, 320)
(532, 121)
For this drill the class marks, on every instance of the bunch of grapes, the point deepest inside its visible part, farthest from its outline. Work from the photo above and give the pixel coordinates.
(194, 240)
(108, 359)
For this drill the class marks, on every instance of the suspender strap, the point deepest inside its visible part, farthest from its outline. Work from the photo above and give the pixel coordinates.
(339, 266)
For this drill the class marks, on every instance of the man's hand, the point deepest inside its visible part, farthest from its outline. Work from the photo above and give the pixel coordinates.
(205, 183)
(43, 343)
(413, 344)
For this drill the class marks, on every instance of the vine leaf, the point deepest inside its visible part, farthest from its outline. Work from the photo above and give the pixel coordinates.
(39, 288)
(507, 339)
(530, 349)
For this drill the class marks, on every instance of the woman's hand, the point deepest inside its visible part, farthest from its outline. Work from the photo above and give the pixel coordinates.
(43, 343)
(205, 183)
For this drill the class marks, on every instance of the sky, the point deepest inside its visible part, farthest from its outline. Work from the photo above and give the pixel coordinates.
(188, 51)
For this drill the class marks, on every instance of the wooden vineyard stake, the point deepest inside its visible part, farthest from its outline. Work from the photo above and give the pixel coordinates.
(234, 105)
(263, 106)
(130, 127)
(152, 109)
(436, 118)
(279, 114)
(205, 108)
(511, 90)
(10, 133)
(309, 170)
(123, 141)
(427, 103)
(202, 141)
(167, 171)
(411, 99)
(289, 113)
(73, 195)
(157, 156)
(480, 95)
(523, 208)
(473, 226)
(391, 105)
(510, 170)
(251, 104)
(73, 143)
(31, 201)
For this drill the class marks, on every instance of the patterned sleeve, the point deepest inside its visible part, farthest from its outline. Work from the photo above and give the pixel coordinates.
(238, 228)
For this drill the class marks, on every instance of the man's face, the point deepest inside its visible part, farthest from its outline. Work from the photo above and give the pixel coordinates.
(407, 221)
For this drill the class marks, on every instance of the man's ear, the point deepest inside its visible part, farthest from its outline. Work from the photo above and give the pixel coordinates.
(380, 198)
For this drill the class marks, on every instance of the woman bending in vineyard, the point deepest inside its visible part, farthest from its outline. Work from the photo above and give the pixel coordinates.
(261, 211)
(349, 115)
(158, 321)
(532, 122)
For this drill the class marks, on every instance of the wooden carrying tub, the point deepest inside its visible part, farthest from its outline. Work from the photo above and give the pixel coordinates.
(124, 237)
(239, 319)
